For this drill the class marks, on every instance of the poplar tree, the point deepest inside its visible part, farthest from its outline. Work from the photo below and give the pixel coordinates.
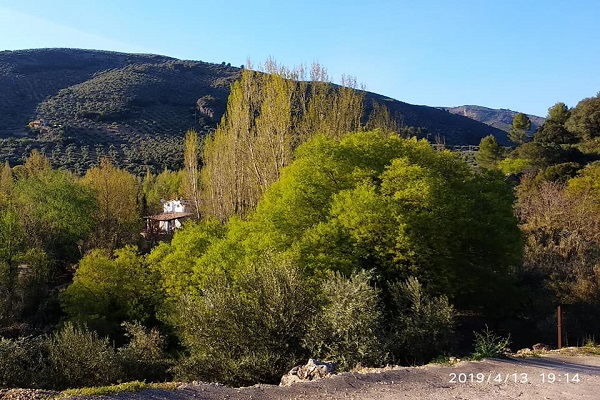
(269, 113)
(191, 179)
(117, 216)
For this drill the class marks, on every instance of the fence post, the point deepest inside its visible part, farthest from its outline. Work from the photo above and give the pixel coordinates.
(559, 323)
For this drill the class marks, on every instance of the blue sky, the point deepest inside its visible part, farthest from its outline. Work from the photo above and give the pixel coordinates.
(523, 55)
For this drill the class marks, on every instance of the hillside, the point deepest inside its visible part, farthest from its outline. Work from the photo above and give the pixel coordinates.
(78, 105)
(501, 119)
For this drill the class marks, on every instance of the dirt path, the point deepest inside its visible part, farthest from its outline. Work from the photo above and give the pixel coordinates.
(527, 379)
(531, 378)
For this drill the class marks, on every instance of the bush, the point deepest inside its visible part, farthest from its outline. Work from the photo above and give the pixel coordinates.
(246, 331)
(422, 327)
(143, 358)
(77, 357)
(23, 362)
(347, 329)
(489, 345)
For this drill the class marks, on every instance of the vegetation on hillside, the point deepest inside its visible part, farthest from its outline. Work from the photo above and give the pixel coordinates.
(77, 106)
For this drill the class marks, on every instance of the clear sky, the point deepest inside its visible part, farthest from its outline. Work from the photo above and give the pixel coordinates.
(524, 55)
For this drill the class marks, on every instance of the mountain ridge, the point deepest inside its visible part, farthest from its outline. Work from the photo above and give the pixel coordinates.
(137, 107)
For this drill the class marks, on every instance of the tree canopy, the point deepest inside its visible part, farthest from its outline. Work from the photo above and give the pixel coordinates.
(392, 205)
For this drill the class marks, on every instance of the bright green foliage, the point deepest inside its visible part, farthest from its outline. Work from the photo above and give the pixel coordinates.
(489, 153)
(389, 204)
(191, 174)
(268, 116)
(512, 166)
(585, 118)
(165, 185)
(174, 262)
(421, 326)
(349, 326)
(520, 126)
(397, 206)
(587, 183)
(117, 218)
(107, 291)
(55, 211)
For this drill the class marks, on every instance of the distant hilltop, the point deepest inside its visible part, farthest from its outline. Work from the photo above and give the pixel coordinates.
(501, 119)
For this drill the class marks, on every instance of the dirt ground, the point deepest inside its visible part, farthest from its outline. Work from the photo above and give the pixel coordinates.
(552, 376)
(531, 378)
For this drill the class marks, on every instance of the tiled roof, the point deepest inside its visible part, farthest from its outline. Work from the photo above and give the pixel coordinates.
(168, 216)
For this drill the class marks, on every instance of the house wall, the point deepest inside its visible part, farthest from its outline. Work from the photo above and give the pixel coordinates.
(173, 206)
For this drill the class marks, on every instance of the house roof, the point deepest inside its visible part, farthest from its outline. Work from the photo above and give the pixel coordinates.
(168, 216)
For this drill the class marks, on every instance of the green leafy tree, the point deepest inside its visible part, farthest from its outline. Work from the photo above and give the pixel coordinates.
(554, 130)
(554, 133)
(55, 210)
(585, 118)
(489, 153)
(166, 185)
(390, 204)
(107, 291)
(117, 217)
(520, 126)
(268, 115)
(175, 262)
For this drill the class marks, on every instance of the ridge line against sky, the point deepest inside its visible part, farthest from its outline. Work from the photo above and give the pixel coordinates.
(524, 56)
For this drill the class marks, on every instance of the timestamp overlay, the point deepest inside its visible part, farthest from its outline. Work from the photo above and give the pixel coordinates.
(514, 377)
(546, 371)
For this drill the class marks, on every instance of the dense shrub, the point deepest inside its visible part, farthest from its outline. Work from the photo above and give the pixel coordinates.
(17, 359)
(143, 358)
(78, 357)
(347, 330)
(422, 325)
(245, 331)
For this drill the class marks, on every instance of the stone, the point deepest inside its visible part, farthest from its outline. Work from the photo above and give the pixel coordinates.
(541, 347)
(313, 370)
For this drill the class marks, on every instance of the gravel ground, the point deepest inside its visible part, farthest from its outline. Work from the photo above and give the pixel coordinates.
(532, 378)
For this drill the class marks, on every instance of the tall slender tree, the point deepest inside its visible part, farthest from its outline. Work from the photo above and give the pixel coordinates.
(117, 215)
(191, 180)
(269, 113)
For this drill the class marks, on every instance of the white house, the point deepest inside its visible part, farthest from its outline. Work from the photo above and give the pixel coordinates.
(173, 212)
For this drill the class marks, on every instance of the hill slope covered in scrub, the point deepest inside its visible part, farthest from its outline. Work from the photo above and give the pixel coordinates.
(77, 105)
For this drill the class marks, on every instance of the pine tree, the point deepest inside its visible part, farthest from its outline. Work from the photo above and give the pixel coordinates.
(520, 126)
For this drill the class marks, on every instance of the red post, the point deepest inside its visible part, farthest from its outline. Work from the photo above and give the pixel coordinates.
(559, 318)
